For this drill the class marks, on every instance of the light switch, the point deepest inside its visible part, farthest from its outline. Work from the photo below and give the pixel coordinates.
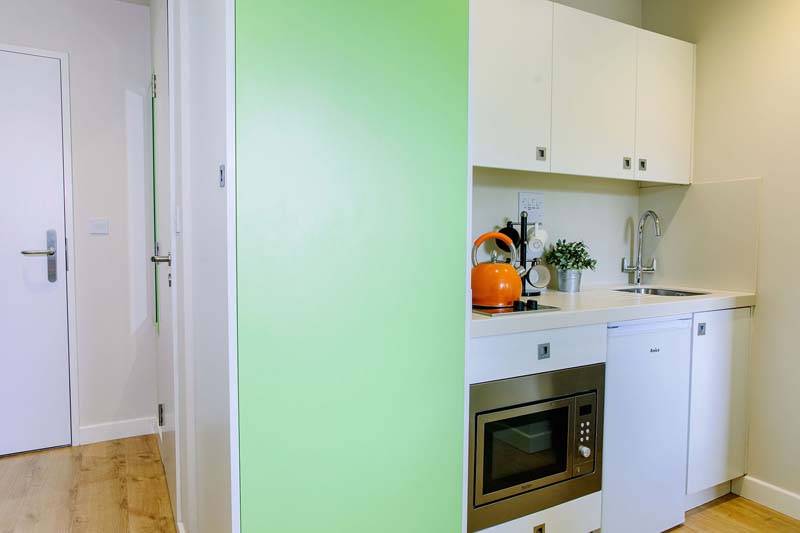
(98, 226)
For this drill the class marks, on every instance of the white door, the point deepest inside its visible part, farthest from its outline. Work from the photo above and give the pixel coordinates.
(594, 95)
(664, 108)
(718, 414)
(645, 426)
(164, 240)
(34, 355)
(512, 59)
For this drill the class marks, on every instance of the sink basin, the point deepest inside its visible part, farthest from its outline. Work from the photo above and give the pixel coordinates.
(661, 292)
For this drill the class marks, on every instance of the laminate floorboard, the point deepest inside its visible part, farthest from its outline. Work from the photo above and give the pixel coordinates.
(116, 486)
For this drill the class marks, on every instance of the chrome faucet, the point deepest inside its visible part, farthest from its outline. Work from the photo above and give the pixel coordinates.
(638, 269)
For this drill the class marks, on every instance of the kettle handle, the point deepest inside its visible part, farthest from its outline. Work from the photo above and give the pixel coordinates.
(493, 235)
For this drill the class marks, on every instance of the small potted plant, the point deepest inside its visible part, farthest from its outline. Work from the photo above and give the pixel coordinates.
(570, 259)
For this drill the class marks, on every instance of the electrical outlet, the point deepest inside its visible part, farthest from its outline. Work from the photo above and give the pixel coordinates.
(533, 203)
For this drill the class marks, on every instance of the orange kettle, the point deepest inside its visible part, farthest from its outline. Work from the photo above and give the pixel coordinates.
(495, 284)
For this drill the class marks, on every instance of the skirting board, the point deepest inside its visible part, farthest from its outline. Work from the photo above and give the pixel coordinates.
(120, 429)
(764, 493)
(181, 529)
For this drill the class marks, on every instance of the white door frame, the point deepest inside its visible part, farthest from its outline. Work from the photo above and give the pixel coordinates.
(233, 328)
(69, 227)
(173, 247)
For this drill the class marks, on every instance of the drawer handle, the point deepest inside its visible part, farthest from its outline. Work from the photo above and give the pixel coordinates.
(544, 351)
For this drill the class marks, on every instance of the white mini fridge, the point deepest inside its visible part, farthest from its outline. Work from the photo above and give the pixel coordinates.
(646, 425)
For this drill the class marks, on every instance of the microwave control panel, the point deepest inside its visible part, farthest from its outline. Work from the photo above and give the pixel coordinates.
(585, 434)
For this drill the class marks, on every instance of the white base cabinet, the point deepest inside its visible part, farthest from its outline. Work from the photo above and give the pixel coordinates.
(718, 412)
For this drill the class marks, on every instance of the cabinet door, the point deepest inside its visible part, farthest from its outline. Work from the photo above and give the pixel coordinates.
(594, 95)
(664, 109)
(511, 83)
(718, 412)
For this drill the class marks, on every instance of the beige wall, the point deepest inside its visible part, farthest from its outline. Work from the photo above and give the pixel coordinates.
(627, 11)
(597, 211)
(710, 234)
(109, 52)
(748, 124)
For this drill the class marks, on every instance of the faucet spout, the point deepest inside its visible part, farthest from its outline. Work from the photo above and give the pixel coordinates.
(657, 221)
(639, 269)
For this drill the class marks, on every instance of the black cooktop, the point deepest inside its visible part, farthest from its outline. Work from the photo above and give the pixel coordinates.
(519, 308)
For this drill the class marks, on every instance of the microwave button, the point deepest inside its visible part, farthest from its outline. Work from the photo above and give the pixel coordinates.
(584, 451)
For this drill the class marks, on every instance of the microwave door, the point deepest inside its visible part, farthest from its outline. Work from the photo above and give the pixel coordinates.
(523, 448)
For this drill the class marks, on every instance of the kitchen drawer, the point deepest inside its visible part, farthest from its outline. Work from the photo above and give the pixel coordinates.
(508, 356)
(576, 516)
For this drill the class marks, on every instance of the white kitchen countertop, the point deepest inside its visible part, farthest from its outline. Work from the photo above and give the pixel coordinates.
(602, 305)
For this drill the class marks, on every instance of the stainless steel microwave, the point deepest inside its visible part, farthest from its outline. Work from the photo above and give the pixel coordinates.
(534, 442)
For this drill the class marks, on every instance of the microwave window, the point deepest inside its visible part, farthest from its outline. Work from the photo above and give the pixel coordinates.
(525, 448)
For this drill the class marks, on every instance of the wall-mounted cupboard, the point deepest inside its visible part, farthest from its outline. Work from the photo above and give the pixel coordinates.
(556, 89)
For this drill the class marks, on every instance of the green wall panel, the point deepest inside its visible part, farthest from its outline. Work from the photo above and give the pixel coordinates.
(351, 222)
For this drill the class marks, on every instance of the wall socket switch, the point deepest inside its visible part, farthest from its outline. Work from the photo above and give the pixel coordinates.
(533, 203)
(98, 226)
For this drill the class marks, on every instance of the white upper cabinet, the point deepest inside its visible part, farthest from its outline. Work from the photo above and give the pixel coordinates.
(718, 407)
(664, 109)
(594, 95)
(555, 89)
(512, 57)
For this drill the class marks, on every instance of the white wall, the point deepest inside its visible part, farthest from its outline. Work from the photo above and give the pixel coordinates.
(600, 212)
(109, 52)
(627, 11)
(205, 449)
(748, 124)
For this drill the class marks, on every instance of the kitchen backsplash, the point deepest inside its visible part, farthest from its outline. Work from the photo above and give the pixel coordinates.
(600, 212)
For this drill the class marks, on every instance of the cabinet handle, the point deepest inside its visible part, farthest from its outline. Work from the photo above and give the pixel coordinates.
(626, 163)
(544, 351)
(541, 153)
(643, 165)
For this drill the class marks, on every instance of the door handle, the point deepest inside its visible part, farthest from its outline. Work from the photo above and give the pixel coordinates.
(162, 259)
(50, 253)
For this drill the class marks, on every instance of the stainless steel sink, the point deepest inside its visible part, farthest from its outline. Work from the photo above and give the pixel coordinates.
(660, 292)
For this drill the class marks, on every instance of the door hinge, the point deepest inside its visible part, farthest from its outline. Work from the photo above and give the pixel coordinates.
(66, 254)
(153, 86)
(222, 176)
(160, 415)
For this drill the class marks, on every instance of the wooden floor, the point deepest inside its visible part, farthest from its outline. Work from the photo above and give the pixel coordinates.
(119, 487)
(108, 487)
(732, 514)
